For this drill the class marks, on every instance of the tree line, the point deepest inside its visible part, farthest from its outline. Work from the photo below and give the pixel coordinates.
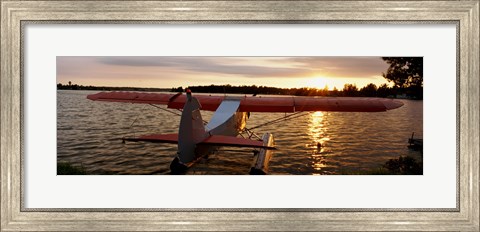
(349, 90)
(71, 86)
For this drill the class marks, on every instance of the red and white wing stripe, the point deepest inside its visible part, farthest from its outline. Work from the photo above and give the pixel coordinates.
(257, 104)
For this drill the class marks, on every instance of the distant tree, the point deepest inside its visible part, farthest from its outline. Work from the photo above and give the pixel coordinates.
(404, 71)
(324, 91)
(69, 83)
(369, 90)
(415, 91)
(334, 92)
(178, 89)
(350, 90)
(383, 91)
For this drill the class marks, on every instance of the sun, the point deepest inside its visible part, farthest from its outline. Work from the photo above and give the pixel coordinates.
(317, 82)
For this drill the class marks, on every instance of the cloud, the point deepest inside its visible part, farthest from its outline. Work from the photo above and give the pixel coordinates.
(73, 65)
(344, 66)
(260, 66)
(215, 65)
(219, 67)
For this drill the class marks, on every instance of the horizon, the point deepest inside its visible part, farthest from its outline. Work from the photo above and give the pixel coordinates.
(173, 72)
(186, 87)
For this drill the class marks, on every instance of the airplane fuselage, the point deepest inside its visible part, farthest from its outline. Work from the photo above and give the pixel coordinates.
(226, 121)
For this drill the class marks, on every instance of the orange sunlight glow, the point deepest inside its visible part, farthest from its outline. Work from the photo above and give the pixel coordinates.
(317, 82)
(321, 82)
(318, 132)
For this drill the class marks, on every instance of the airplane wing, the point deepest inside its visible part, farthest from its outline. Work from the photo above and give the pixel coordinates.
(295, 104)
(257, 103)
(213, 140)
(174, 101)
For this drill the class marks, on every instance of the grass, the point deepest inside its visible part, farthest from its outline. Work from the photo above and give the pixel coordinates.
(373, 171)
(403, 165)
(64, 168)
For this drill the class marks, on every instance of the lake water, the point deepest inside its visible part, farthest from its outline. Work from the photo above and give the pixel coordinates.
(89, 133)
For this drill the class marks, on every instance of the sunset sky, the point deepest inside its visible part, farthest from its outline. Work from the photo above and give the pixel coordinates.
(168, 72)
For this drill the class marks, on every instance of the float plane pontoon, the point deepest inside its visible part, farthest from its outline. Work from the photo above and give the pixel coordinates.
(196, 140)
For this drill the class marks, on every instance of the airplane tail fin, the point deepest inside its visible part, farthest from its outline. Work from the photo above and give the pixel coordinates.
(191, 130)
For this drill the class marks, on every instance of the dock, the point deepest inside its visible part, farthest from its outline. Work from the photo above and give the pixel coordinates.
(415, 144)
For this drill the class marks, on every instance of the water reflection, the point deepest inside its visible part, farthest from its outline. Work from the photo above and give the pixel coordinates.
(317, 131)
(89, 134)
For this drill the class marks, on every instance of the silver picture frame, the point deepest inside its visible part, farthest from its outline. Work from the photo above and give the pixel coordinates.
(16, 14)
